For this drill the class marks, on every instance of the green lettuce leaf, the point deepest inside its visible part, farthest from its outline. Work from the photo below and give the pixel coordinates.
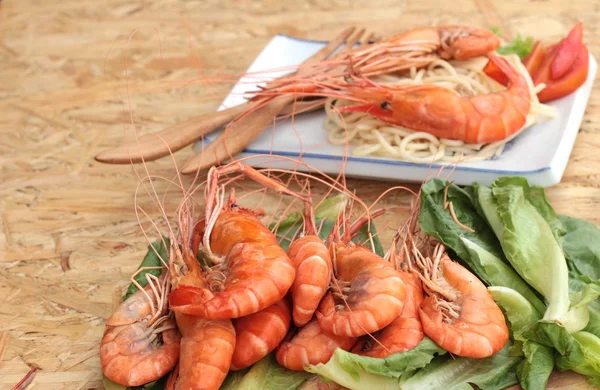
(590, 366)
(394, 366)
(359, 372)
(110, 385)
(418, 369)
(233, 379)
(150, 260)
(267, 374)
(495, 372)
(534, 371)
(578, 316)
(157, 385)
(553, 334)
(582, 247)
(293, 224)
(325, 216)
(578, 284)
(518, 311)
(582, 250)
(479, 250)
(332, 370)
(529, 241)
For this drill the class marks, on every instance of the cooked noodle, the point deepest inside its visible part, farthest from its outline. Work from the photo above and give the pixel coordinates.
(370, 136)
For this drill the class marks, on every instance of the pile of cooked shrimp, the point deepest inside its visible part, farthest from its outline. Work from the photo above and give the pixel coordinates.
(230, 295)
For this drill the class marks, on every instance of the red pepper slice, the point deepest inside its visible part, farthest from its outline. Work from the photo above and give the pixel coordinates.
(570, 81)
(534, 60)
(567, 51)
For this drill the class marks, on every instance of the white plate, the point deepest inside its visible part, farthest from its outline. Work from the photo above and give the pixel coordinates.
(540, 153)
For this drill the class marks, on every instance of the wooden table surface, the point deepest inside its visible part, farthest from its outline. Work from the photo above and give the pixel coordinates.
(69, 236)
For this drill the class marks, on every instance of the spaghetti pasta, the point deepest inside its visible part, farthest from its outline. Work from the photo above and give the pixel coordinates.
(372, 137)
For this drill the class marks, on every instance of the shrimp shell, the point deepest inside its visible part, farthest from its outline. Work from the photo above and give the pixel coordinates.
(405, 332)
(260, 333)
(128, 355)
(257, 272)
(311, 345)
(206, 350)
(375, 298)
(313, 273)
(480, 329)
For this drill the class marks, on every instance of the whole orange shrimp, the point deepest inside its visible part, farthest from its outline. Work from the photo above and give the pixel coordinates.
(369, 290)
(252, 271)
(141, 343)
(406, 331)
(207, 346)
(419, 47)
(446, 114)
(310, 345)
(312, 260)
(434, 109)
(260, 333)
(459, 314)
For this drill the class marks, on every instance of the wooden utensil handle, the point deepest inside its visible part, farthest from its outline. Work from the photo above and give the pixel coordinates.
(237, 136)
(154, 146)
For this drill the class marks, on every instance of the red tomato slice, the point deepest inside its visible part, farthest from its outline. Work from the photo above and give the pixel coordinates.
(533, 61)
(567, 51)
(543, 73)
(570, 81)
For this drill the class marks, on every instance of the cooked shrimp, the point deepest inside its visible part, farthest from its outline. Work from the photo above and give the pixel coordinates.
(312, 260)
(313, 273)
(444, 113)
(206, 350)
(310, 345)
(434, 109)
(260, 333)
(459, 314)
(419, 47)
(206, 345)
(252, 271)
(140, 343)
(404, 333)
(369, 291)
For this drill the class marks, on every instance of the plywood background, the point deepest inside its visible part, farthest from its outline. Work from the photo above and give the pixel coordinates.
(69, 237)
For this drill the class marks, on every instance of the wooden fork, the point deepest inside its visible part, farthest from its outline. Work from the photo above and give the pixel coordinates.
(153, 146)
(240, 134)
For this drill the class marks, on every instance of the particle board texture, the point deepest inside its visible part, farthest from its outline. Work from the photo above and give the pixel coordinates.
(78, 76)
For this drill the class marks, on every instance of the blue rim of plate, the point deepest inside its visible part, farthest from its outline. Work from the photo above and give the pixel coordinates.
(381, 161)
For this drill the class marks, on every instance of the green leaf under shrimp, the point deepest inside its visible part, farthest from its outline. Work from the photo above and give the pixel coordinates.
(158, 384)
(267, 374)
(110, 385)
(325, 216)
(420, 368)
(292, 225)
(233, 379)
(397, 365)
(150, 260)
